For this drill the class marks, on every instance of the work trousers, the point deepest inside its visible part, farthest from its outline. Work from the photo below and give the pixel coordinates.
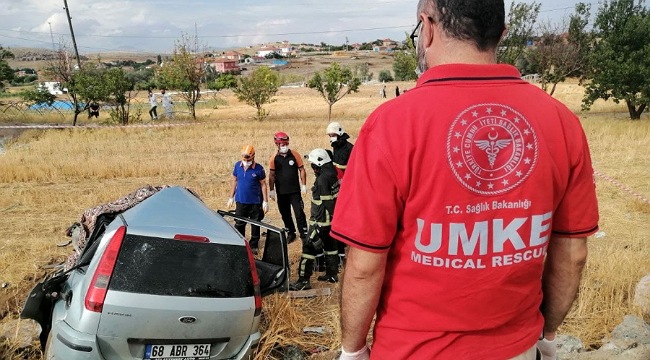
(153, 113)
(253, 212)
(329, 244)
(285, 203)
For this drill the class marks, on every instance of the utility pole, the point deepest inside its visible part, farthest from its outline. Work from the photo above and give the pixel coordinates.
(74, 42)
(51, 36)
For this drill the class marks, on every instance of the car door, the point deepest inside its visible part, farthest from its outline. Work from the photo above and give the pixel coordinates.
(272, 262)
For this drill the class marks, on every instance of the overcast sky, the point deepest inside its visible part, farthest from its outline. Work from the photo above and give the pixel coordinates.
(153, 25)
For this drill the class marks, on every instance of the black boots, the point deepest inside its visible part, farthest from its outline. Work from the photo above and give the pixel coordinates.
(331, 269)
(305, 269)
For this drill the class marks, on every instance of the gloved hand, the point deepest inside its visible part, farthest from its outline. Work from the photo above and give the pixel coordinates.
(272, 195)
(363, 354)
(230, 203)
(318, 244)
(548, 348)
(265, 207)
(303, 189)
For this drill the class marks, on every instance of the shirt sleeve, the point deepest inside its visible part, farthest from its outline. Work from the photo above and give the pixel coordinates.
(299, 162)
(577, 212)
(369, 204)
(234, 169)
(272, 163)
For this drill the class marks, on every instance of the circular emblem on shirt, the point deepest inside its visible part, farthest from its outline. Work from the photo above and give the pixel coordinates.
(491, 148)
(291, 162)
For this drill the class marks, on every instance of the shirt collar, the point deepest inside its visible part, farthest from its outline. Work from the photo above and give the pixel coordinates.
(448, 71)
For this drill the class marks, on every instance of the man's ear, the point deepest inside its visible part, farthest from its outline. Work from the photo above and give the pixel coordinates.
(504, 33)
(428, 30)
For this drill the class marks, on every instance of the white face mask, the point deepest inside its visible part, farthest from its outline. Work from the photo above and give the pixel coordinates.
(284, 149)
(247, 163)
(333, 139)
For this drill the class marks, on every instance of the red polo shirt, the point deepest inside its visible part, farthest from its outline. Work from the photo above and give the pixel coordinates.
(462, 180)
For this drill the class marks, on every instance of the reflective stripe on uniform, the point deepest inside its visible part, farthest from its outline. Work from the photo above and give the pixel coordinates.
(308, 257)
(324, 197)
(335, 252)
(342, 167)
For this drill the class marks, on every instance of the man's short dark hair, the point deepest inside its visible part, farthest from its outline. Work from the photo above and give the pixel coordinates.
(479, 21)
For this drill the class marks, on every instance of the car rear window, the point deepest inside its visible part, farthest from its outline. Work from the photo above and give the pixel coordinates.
(159, 266)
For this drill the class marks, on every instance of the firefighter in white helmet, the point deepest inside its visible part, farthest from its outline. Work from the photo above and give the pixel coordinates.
(342, 149)
(324, 194)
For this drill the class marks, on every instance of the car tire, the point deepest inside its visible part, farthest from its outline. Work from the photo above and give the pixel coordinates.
(47, 354)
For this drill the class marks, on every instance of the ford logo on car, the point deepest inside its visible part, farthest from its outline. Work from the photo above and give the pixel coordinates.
(187, 319)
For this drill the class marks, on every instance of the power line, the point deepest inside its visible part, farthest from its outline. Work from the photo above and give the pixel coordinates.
(227, 35)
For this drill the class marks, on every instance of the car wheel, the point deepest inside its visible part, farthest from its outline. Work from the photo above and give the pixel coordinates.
(48, 354)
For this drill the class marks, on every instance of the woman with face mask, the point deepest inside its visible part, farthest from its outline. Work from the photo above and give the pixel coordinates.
(248, 193)
(288, 178)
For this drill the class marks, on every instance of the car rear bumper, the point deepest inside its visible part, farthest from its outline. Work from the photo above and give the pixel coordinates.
(69, 344)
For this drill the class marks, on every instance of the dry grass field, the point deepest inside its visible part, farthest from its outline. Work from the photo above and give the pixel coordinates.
(47, 179)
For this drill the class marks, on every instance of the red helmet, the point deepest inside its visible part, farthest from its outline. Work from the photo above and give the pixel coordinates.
(281, 138)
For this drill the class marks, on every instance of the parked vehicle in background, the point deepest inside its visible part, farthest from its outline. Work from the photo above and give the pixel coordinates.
(167, 279)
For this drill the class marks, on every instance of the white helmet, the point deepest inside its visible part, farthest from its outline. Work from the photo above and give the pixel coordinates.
(318, 157)
(335, 128)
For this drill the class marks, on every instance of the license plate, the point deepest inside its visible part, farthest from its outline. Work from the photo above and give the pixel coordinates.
(178, 352)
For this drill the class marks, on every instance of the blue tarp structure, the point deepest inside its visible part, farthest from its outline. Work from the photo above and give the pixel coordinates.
(57, 105)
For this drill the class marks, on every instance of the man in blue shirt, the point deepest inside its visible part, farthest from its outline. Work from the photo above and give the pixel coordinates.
(248, 193)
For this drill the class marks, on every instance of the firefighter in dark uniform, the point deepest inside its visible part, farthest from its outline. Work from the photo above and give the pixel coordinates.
(324, 193)
(288, 180)
(342, 149)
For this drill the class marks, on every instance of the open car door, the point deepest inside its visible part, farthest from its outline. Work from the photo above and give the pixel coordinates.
(272, 262)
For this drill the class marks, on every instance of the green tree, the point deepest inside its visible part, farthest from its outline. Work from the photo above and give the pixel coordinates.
(6, 72)
(185, 72)
(362, 71)
(258, 89)
(619, 62)
(223, 81)
(404, 62)
(561, 51)
(385, 76)
(520, 24)
(335, 82)
(119, 91)
(60, 69)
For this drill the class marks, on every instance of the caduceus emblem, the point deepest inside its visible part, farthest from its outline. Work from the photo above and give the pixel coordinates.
(492, 146)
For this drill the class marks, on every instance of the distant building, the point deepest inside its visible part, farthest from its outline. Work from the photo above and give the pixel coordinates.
(233, 55)
(53, 87)
(225, 65)
(265, 51)
(382, 49)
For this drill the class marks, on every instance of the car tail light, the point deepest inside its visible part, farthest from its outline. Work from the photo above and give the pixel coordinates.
(99, 285)
(194, 238)
(256, 282)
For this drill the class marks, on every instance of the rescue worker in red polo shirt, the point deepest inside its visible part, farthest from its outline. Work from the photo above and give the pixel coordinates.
(288, 179)
(248, 193)
(471, 242)
(323, 199)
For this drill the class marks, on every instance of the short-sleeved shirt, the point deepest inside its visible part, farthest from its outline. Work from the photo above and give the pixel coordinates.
(287, 179)
(463, 180)
(249, 189)
(153, 101)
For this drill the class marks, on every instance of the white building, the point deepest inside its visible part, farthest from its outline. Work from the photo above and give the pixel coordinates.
(53, 87)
